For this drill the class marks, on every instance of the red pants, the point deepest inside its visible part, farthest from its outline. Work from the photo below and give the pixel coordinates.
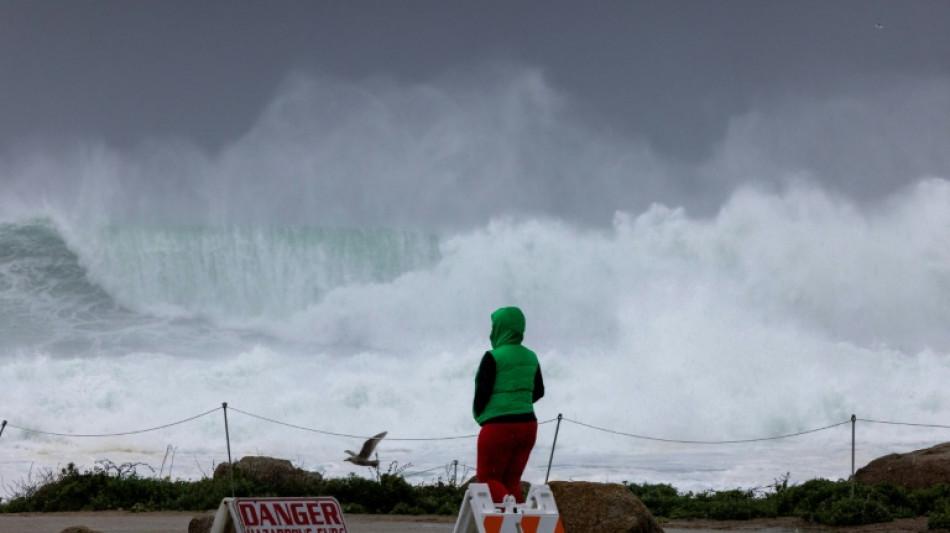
(503, 451)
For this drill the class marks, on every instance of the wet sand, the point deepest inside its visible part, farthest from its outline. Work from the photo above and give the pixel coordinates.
(177, 522)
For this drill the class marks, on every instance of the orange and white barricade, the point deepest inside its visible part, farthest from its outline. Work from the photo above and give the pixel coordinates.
(538, 514)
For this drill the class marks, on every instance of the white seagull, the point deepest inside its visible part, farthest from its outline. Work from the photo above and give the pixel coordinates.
(362, 458)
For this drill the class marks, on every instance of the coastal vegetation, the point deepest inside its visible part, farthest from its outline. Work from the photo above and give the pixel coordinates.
(108, 486)
(831, 503)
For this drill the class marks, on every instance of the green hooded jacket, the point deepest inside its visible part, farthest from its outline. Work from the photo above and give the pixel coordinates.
(515, 368)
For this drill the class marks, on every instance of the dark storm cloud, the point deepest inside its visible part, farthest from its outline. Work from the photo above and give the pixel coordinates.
(848, 93)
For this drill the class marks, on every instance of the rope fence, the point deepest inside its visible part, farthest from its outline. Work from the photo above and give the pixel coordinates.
(120, 434)
(676, 441)
(560, 418)
(323, 432)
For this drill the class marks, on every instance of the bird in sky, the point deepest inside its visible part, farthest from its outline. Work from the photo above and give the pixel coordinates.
(362, 458)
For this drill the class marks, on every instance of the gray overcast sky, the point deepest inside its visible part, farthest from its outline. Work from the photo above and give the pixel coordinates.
(677, 76)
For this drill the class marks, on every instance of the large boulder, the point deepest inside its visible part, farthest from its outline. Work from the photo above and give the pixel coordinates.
(915, 470)
(277, 473)
(587, 507)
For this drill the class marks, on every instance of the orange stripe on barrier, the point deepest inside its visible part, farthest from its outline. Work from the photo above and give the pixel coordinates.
(493, 523)
(559, 528)
(529, 524)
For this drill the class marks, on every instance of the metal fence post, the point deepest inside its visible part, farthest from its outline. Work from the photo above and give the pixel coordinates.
(2, 426)
(554, 445)
(854, 420)
(227, 436)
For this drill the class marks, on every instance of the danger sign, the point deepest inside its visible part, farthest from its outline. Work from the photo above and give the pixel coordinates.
(287, 515)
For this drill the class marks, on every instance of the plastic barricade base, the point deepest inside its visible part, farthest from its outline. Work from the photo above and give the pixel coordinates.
(479, 514)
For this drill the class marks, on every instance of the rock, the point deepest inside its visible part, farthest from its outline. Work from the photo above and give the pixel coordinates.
(80, 529)
(277, 473)
(201, 523)
(915, 470)
(587, 507)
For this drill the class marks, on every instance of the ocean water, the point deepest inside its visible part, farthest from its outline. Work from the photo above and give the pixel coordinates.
(662, 337)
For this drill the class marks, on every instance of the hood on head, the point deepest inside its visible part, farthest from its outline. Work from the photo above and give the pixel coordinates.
(507, 326)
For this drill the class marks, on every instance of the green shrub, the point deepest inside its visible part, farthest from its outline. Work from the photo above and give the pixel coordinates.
(736, 504)
(818, 500)
(353, 508)
(405, 508)
(927, 500)
(739, 508)
(938, 516)
(852, 512)
(661, 499)
(732, 504)
(802, 500)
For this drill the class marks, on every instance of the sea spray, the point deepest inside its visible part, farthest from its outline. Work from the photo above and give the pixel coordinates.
(782, 314)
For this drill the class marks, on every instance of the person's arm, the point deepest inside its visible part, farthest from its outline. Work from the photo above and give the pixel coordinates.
(538, 392)
(484, 383)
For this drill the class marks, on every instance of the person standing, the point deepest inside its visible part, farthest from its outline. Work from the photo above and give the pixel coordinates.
(507, 384)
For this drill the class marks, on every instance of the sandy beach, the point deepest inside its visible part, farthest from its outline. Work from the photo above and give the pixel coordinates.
(177, 522)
